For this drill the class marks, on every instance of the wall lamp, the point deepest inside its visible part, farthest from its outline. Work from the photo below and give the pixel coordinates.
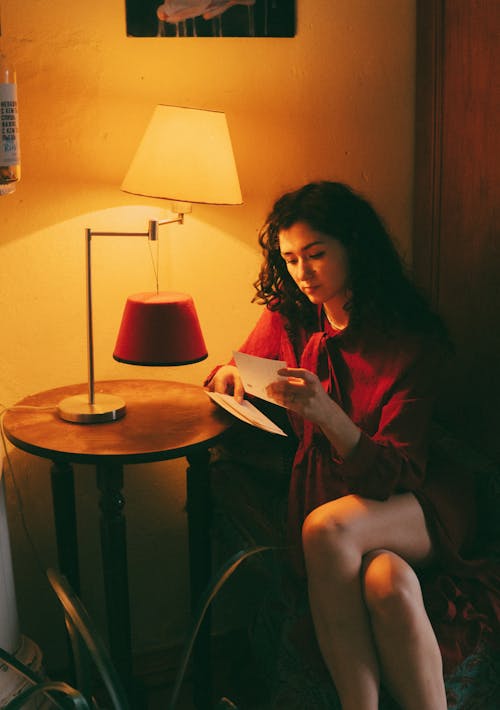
(185, 156)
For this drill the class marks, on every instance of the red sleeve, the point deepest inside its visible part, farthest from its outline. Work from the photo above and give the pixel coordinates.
(265, 338)
(394, 459)
(263, 341)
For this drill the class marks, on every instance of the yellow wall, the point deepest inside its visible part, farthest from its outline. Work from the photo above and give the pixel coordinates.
(334, 102)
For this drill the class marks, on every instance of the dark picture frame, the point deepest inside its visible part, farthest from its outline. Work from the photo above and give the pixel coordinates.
(250, 18)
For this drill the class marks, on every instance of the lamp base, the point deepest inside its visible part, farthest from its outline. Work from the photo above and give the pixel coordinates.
(77, 409)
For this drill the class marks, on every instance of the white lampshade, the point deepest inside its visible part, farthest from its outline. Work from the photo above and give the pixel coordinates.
(185, 156)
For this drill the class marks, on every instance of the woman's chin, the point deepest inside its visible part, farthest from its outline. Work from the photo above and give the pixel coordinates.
(314, 298)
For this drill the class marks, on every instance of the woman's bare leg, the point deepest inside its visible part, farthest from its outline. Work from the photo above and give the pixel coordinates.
(338, 610)
(407, 647)
(336, 536)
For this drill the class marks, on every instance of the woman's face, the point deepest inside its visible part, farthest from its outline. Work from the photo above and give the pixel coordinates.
(317, 263)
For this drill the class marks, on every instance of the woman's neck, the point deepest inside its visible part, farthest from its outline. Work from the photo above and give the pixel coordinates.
(336, 315)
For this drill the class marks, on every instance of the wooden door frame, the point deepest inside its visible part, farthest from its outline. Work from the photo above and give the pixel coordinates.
(428, 145)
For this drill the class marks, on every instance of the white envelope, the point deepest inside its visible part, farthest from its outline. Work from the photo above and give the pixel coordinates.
(246, 412)
(257, 373)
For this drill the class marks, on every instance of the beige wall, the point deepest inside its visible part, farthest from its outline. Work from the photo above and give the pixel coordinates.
(334, 102)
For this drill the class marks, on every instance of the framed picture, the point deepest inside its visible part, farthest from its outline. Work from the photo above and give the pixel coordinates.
(210, 18)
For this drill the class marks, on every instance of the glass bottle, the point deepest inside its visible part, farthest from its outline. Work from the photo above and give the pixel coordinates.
(10, 168)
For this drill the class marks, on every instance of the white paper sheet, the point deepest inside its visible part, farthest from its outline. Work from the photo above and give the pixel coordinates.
(246, 412)
(257, 373)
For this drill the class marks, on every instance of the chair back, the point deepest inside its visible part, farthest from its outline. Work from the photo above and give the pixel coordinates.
(86, 641)
(36, 685)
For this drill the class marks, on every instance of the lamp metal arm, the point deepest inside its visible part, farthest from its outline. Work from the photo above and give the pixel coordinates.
(152, 235)
(152, 232)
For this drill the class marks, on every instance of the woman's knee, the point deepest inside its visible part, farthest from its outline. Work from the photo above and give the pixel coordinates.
(330, 528)
(391, 587)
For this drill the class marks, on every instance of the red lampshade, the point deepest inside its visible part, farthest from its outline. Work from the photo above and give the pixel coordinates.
(160, 329)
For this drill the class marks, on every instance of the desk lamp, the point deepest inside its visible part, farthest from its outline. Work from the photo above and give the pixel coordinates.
(185, 156)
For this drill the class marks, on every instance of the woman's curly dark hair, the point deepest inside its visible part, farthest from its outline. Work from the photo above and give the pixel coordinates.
(383, 295)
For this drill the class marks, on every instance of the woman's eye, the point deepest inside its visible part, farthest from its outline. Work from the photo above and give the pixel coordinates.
(290, 261)
(317, 255)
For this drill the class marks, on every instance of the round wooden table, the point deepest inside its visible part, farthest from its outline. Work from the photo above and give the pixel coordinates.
(164, 420)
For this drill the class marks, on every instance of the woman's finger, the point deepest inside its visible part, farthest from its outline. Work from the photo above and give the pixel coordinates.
(284, 392)
(298, 373)
(239, 391)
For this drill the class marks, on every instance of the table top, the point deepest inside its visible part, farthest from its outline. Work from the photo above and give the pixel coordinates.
(164, 420)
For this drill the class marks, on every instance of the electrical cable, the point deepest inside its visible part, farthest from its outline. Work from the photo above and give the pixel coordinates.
(155, 260)
(17, 492)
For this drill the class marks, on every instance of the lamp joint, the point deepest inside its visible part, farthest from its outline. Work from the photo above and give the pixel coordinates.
(155, 223)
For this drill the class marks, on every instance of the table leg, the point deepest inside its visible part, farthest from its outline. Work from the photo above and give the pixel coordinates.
(63, 498)
(200, 567)
(115, 570)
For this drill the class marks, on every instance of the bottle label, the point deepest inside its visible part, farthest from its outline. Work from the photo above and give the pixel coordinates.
(9, 143)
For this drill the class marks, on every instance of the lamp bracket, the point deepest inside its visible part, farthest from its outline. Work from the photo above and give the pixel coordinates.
(155, 223)
(152, 232)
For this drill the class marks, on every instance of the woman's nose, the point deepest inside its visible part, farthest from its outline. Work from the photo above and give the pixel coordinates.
(304, 269)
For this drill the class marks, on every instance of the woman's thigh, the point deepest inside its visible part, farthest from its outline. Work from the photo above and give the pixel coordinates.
(397, 524)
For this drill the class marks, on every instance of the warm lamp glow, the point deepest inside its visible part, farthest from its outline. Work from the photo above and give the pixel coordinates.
(186, 156)
(160, 329)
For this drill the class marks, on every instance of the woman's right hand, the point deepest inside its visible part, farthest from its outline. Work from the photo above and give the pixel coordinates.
(227, 380)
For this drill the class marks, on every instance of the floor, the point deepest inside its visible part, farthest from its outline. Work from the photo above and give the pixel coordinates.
(233, 680)
(160, 701)
(159, 698)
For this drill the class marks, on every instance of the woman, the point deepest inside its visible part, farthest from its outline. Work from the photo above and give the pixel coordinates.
(366, 507)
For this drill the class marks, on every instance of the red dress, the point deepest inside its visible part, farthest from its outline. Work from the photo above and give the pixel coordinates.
(386, 386)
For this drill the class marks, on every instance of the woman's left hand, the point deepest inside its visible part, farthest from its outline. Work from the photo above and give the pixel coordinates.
(301, 392)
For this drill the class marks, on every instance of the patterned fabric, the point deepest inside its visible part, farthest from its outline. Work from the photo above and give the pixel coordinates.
(475, 684)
